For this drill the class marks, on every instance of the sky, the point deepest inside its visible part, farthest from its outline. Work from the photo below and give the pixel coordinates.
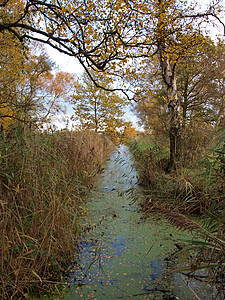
(65, 62)
(69, 64)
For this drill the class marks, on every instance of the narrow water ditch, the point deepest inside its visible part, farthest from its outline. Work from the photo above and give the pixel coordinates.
(122, 255)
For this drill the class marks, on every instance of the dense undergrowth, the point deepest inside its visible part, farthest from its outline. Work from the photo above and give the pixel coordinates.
(43, 176)
(192, 198)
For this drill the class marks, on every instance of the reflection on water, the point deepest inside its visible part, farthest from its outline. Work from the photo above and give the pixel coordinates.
(123, 255)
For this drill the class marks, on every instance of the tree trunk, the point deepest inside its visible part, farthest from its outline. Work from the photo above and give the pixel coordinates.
(169, 78)
(185, 103)
(174, 130)
(96, 118)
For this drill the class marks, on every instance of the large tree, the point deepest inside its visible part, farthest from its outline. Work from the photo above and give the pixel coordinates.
(104, 33)
(200, 92)
(31, 88)
(201, 84)
(107, 34)
(96, 108)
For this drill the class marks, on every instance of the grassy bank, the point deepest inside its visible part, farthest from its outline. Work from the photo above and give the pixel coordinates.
(192, 188)
(43, 179)
(192, 198)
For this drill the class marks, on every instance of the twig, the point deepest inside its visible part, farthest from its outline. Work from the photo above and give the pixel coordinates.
(190, 288)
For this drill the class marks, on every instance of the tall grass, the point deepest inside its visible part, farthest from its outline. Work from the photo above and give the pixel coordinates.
(191, 189)
(151, 157)
(196, 190)
(42, 179)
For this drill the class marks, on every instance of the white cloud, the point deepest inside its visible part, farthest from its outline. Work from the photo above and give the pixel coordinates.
(65, 62)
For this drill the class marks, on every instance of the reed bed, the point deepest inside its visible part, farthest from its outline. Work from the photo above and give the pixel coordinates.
(196, 191)
(43, 177)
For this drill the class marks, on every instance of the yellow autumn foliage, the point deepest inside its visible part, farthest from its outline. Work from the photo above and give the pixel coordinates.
(6, 117)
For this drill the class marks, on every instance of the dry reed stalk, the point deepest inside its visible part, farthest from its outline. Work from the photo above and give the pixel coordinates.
(42, 182)
(182, 222)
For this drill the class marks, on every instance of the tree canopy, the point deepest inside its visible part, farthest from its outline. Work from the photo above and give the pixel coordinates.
(105, 33)
(96, 108)
(115, 36)
(31, 88)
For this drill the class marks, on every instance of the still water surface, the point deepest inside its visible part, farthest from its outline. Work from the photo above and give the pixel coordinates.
(123, 255)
